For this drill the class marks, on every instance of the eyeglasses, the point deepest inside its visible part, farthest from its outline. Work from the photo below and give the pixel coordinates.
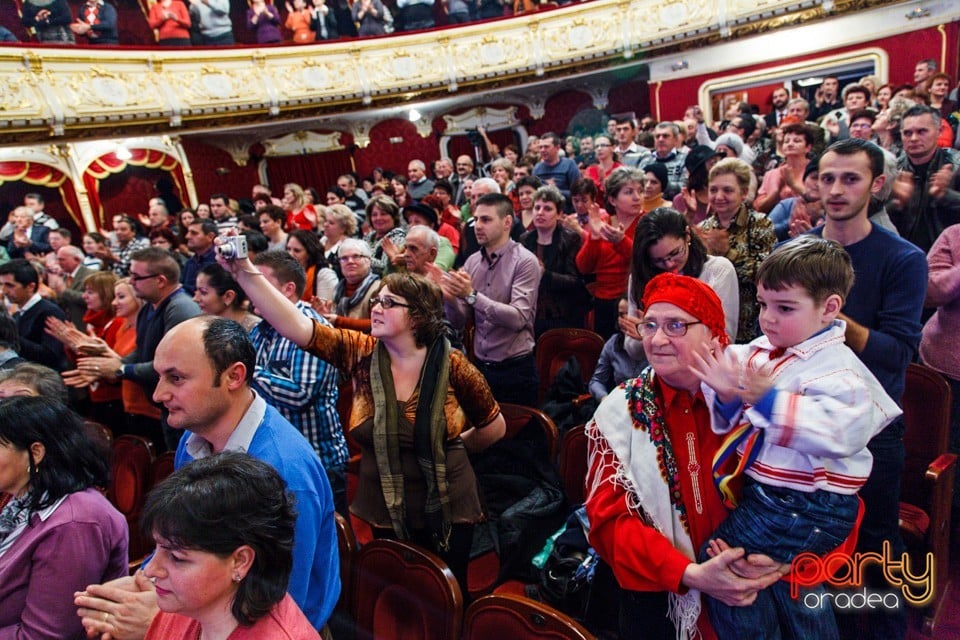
(353, 258)
(671, 257)
(387, 303)
(135, 278)
(672, 328)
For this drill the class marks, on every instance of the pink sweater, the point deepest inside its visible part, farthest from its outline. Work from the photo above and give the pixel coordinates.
(939, 348)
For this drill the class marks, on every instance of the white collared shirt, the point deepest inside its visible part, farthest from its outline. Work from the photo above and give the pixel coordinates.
(198, 447)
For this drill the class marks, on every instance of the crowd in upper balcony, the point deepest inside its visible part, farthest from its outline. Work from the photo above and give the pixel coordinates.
(424, 294)
(184, 23)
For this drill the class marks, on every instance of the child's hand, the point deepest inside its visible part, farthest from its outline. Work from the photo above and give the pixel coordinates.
(718, 369)
(754, 385)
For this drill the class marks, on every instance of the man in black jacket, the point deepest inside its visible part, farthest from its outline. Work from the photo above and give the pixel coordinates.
(20, 283)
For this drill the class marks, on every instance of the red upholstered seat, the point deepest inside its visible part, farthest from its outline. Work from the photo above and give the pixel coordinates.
(402, 592)
(502, 616)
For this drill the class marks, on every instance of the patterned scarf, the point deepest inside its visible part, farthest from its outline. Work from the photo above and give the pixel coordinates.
(648, 473)
(429, 439)
(344, 304)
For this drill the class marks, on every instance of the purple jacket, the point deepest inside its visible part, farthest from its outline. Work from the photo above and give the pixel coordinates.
(267, 26)
(83, 542)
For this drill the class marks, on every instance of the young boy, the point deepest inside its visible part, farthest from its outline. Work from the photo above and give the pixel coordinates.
(805, 407)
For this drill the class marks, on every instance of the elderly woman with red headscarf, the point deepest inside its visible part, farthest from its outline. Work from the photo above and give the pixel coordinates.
(651, 499)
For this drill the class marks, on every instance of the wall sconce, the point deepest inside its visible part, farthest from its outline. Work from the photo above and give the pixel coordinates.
(414, 115)
(122, 153)
(680, 65)
(919, 12)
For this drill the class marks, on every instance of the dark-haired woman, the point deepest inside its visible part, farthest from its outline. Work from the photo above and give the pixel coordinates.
(563, 300)
(388, 234)
(224, 527)
(418, 408)
(218, 294)
(666, 243)
(306, 249)
(58, 533)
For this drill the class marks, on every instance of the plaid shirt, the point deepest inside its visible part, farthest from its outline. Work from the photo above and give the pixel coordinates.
(302, 387)
(123, 252)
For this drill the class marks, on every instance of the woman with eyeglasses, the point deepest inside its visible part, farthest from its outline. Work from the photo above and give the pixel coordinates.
(350, 307)
(666, 243)
(651, 500)
(418, 408)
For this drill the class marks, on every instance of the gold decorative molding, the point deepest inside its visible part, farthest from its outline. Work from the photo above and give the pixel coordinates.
(75, 93)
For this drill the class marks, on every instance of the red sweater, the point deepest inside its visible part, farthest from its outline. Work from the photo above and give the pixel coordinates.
(610, 262)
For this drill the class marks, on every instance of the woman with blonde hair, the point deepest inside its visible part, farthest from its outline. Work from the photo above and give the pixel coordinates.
(300, 215)
(742, 235)
(340, 223)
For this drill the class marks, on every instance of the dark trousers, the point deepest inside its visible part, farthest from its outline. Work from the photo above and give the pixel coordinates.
(514, 381)
(881, 522)
(605, 317)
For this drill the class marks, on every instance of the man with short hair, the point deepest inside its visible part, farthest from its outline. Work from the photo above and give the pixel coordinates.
(301, 386)
(468, 236)
(127, 242)
(925, 195)
(861, 124)
(421, 247)
(828, 98)
(443, 168)
(205, 368)
(69, 285)
(222, 214)
(554, 170)
(60, 237)
(779, 99)
(666, 136)
(158, 215)
(497, 287)
(155, 278)
(35, 201)
(20, 284)
(464, 172)
(522, 169)
(272, 220)
(586, 157)
(799, 108)
(922, 72)
(351, 195)
(418, 185)
(631, 154)
(200, 236)
(28, 239)
(882, 314)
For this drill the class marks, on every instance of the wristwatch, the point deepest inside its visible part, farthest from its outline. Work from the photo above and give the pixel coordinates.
(471, 298)
(118, 374)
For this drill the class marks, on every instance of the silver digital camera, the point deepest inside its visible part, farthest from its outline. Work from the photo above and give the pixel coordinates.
(233, 248)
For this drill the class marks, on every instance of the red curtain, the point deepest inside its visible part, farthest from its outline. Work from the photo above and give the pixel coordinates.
(41, 175)
(318, 170)
(109, 164)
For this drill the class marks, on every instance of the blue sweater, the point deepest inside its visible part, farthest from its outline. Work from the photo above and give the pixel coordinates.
(315, 580)
(887, 298)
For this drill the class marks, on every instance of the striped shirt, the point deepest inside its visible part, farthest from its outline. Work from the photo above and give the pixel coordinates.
(303, 388)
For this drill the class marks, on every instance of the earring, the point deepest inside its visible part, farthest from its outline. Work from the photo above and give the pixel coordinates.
(236, 577)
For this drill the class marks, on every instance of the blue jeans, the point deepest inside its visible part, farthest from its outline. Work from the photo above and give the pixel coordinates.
(782, 523)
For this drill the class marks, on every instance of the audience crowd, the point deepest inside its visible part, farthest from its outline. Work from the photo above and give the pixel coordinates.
(186, 23)
(236, 325)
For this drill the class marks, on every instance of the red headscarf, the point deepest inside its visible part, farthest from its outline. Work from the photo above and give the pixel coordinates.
(691, 295)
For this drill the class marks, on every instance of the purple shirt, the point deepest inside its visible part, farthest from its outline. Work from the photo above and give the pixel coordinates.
(267, 26)
(506, 284)
(84, 541)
